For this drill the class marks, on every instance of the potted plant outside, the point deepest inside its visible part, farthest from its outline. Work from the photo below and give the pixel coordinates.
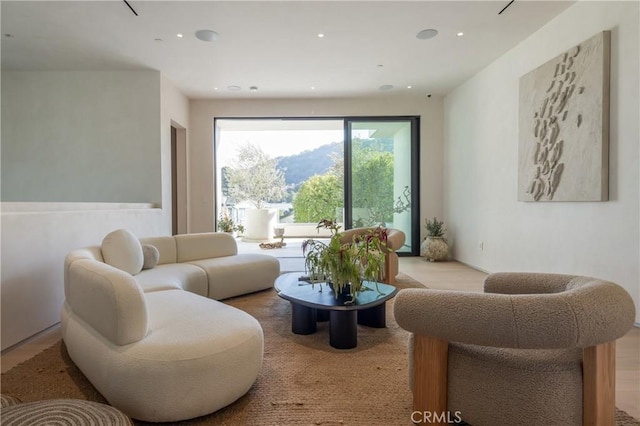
(226, 224)
(346, 267)
(256, 179)
(435, 246)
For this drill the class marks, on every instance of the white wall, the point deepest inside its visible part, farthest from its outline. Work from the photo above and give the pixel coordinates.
(37, 236)
(600, 239)
(34, 244)
(175, 112)
(202, 113)
(101, 125)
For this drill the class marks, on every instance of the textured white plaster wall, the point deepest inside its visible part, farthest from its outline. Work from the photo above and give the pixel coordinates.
(600, 239)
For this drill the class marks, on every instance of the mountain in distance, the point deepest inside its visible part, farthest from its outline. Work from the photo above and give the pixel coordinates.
(300, 167)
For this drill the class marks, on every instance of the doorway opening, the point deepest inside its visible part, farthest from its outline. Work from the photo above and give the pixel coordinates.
(178, 180)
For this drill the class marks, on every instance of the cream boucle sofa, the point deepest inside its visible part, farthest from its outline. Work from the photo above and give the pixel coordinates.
(153, 342)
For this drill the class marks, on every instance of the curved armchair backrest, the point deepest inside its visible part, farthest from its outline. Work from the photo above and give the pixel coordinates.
(526, 283)
(572, 311)
(395, 241)
(395, 237)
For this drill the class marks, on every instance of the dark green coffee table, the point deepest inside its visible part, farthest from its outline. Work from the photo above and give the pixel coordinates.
(309, 305)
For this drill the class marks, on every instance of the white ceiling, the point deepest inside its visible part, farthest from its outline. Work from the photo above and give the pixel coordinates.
(273, 44)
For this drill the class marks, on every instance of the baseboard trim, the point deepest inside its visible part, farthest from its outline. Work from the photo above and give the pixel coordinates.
(30, 339)
(472, 266)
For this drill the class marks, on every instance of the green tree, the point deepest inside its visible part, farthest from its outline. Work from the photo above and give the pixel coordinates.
(318, 198)
(224, 177)
(372, 184)
(254, 177)
(372, 188)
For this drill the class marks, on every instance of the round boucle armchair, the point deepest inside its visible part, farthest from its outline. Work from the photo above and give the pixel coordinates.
(395, 241)
(533, 349)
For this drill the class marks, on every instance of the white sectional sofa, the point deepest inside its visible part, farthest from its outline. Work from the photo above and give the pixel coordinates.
(153, 342)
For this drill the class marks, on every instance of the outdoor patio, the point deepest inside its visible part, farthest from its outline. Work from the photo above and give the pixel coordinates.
(290, 256)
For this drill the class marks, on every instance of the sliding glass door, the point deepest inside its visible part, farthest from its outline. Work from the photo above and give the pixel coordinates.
(381, 175)
(359, 171)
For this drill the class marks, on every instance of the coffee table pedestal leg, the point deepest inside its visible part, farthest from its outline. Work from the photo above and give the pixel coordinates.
(373, 317)
(303, 319)
(343, 329)
(323, 315)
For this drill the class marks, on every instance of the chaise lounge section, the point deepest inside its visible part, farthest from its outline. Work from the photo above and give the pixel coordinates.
(153, 342)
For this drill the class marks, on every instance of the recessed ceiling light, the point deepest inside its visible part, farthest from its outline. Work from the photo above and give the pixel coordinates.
(206, 35)
(157, 39)
(386, 87)
(313, 87)
(408, 87)
(215, 88)
(253, 88)
(234, 88)
(320, 35)
(380, 65)
(179, 35)
(460, 34)
(427, 34)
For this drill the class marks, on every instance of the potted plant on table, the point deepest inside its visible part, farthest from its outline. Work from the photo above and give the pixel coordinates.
(435, 246)
(346, 266)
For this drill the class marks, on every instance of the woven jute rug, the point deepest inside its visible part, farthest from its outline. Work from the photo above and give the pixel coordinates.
(304, 381)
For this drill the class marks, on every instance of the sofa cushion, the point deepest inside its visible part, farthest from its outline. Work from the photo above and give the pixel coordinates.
(166, 245)
(121, 249)
(204, 246)
(150, 255)
(174, 276)
(240, 274)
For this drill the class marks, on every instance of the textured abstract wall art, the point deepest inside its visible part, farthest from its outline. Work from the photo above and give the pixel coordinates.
(564, 126)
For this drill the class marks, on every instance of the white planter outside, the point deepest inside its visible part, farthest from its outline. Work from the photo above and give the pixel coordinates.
(259, 223)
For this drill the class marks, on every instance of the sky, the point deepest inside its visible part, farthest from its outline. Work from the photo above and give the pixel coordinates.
(274, 142)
